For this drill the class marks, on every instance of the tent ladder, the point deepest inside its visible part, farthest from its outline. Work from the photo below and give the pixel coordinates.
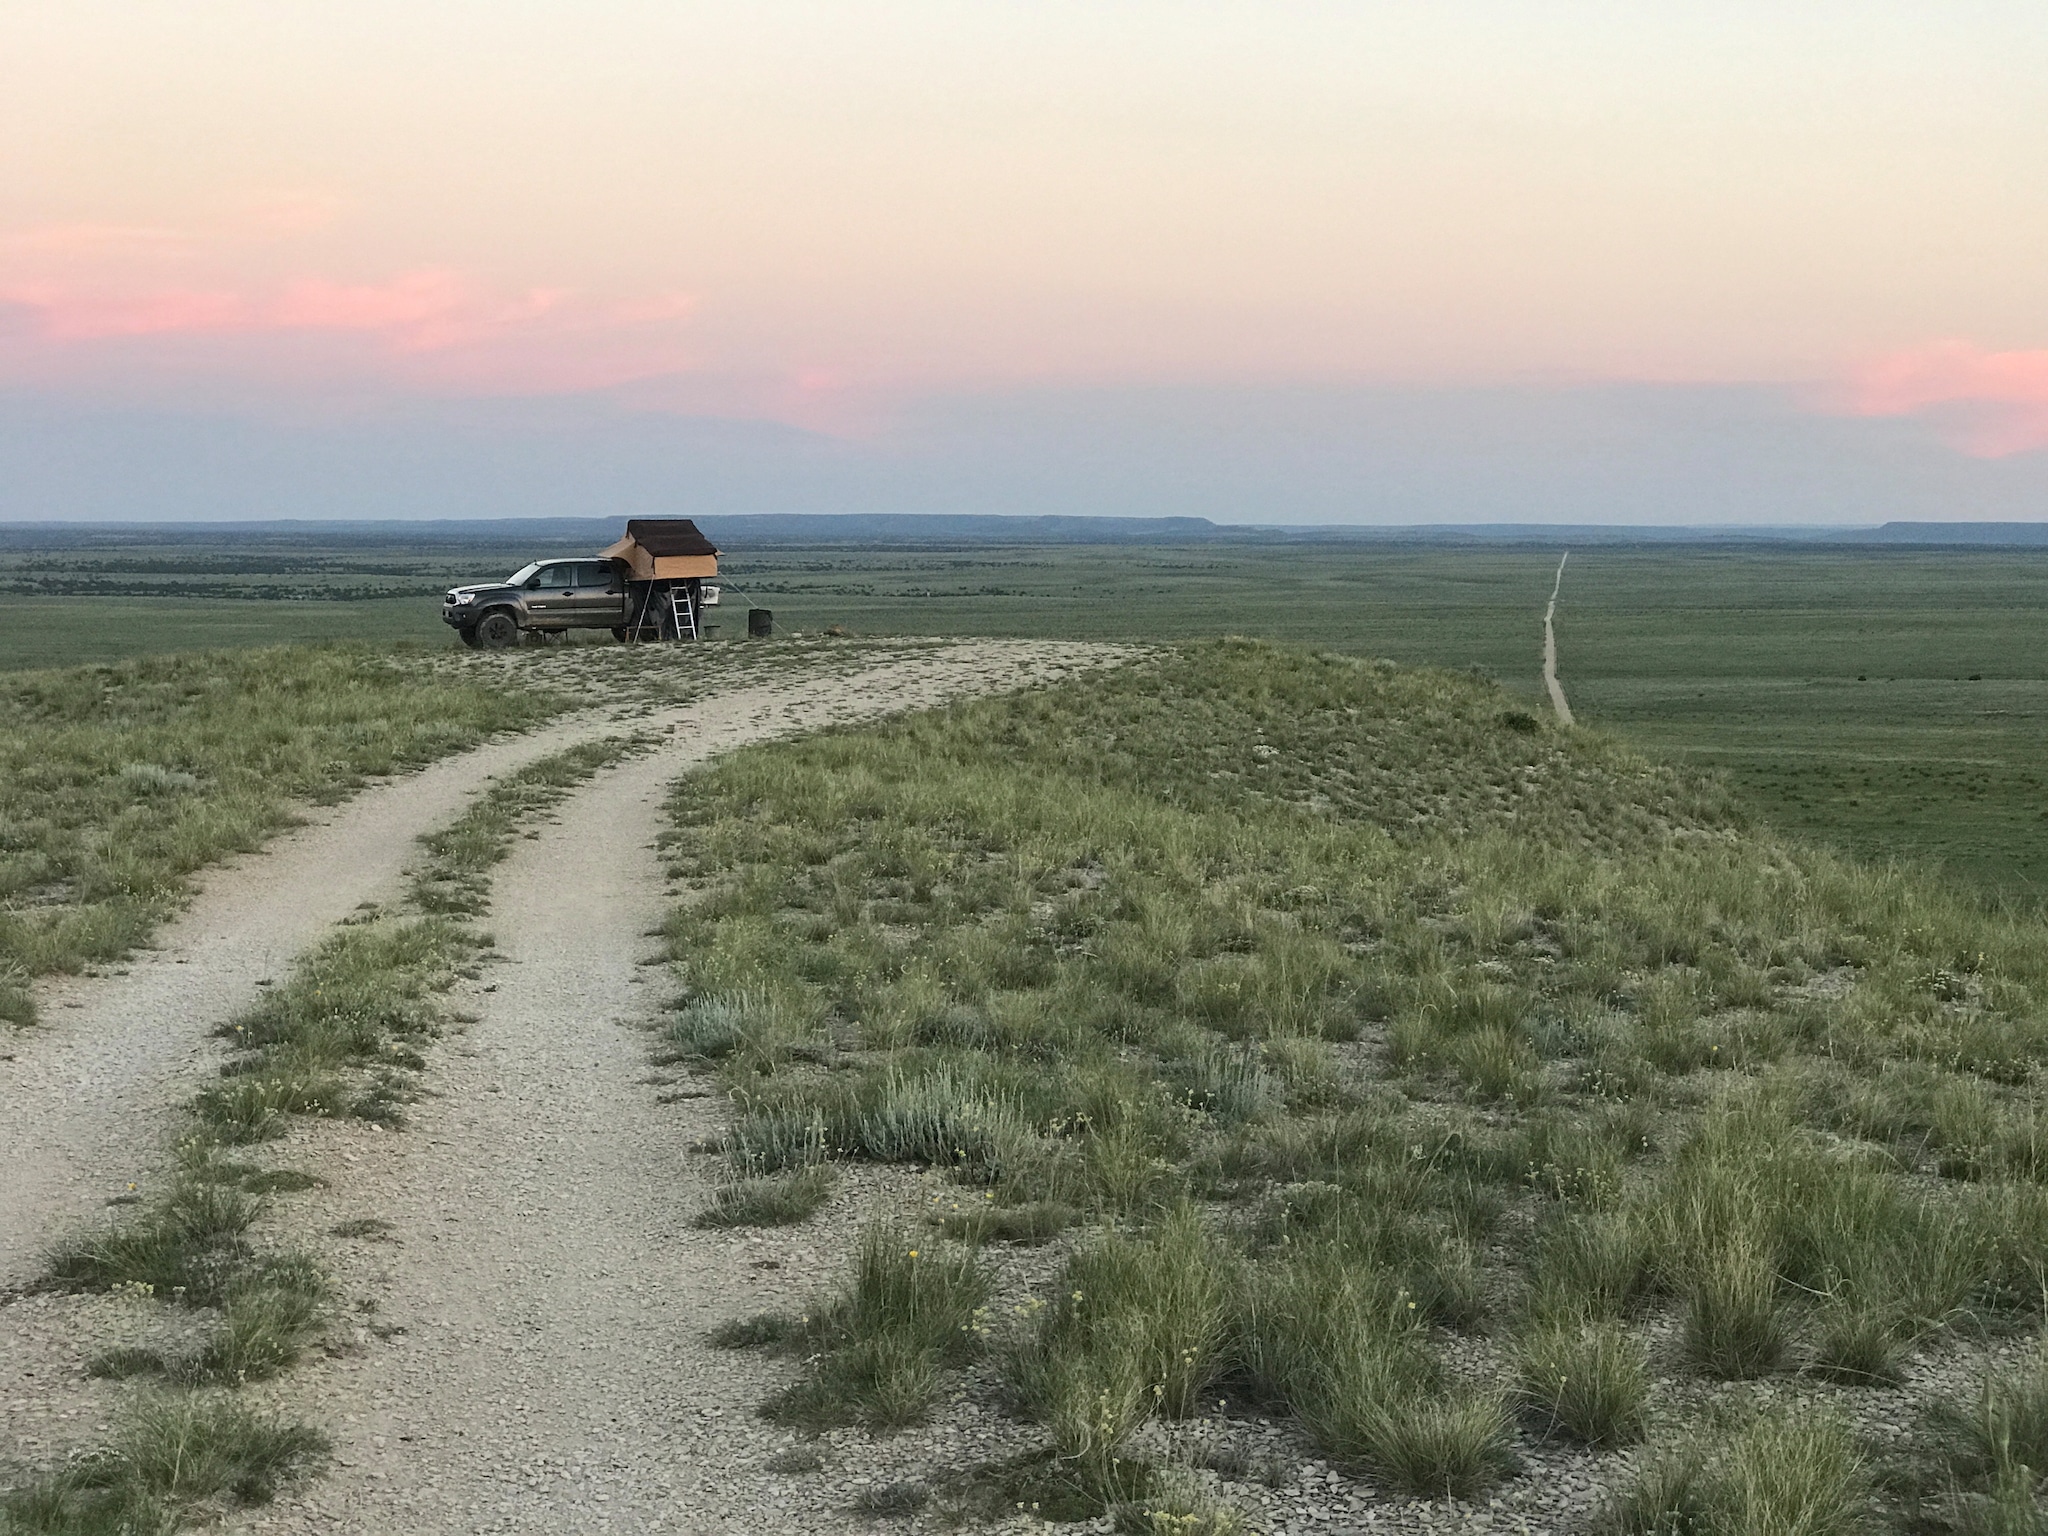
(683, 612)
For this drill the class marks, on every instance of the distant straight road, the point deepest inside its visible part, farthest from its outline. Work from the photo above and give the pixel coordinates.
(1564, 710)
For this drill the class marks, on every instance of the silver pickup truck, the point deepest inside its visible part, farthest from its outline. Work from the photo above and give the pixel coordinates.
(549, 596)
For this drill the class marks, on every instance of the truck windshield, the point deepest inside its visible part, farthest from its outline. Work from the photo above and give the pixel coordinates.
(518, 577)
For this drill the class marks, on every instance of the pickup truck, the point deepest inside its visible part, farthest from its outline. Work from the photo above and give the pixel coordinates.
(548, 597)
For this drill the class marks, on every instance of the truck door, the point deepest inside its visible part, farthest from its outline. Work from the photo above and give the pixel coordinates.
(600, 595)
(551, 595)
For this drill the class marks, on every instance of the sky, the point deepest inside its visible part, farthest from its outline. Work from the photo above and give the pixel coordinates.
(1465, 260)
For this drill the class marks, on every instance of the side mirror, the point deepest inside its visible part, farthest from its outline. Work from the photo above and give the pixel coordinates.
(533, 582)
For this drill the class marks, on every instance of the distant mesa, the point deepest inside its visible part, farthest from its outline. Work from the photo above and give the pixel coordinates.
(1952, 533)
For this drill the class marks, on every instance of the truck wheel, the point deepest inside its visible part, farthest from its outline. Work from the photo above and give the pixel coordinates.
(495, 631)
(619, 633)
(467, 634)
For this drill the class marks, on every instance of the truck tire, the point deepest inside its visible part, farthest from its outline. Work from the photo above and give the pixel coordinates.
(467, 635)
(619, 633)
(496, 630)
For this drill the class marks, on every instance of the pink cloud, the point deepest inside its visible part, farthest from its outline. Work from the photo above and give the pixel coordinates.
(1989, 404)
(66, 316)
(120, 300)
(417, 310)
(432, 326)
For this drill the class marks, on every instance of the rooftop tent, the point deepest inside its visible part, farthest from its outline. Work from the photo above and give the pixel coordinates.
(665, 549)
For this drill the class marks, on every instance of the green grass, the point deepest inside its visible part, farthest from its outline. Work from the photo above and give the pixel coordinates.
(1985, 1456)
(53, 632)
(1584, 1379)
(979, 1221)
(341, 1034)
(769, 1200)
(909, 1309)
(180, 1458)
(1833, 686)
(190, 1242)
(117, 783)
(189, 1246)
(1210, 954)
(1891, 702)
(1785, 1471)
(1176, 1504)
(1132, 1320)
(268, 1314)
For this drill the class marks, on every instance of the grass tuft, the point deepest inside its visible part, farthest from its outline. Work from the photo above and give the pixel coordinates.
(909, 1311)
(1446, 1443)
(1031, 1224)
(1791, 1470)
(188, 1244)
(179, 1456)
(1734, 1328)
(1585, 1380)
(2000, 1439)
(764, 1330)
(1176, 1503)
(770, 1200)
(1136, 1326)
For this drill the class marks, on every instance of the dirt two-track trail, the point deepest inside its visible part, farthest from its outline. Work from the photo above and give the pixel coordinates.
(534, 1359)
(1550, 682)
(88, 1092)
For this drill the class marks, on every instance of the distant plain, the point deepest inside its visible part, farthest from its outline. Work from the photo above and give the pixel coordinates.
(1892, 702)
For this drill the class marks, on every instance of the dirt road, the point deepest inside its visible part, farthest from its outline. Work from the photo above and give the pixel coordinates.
(534, 1358)
(1550, 682)
(89, 1094)
(549, 1373)
(89, 1090)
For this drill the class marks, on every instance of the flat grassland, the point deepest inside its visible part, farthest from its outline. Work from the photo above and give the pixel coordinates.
(1308, 1041)
(1893, 703)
